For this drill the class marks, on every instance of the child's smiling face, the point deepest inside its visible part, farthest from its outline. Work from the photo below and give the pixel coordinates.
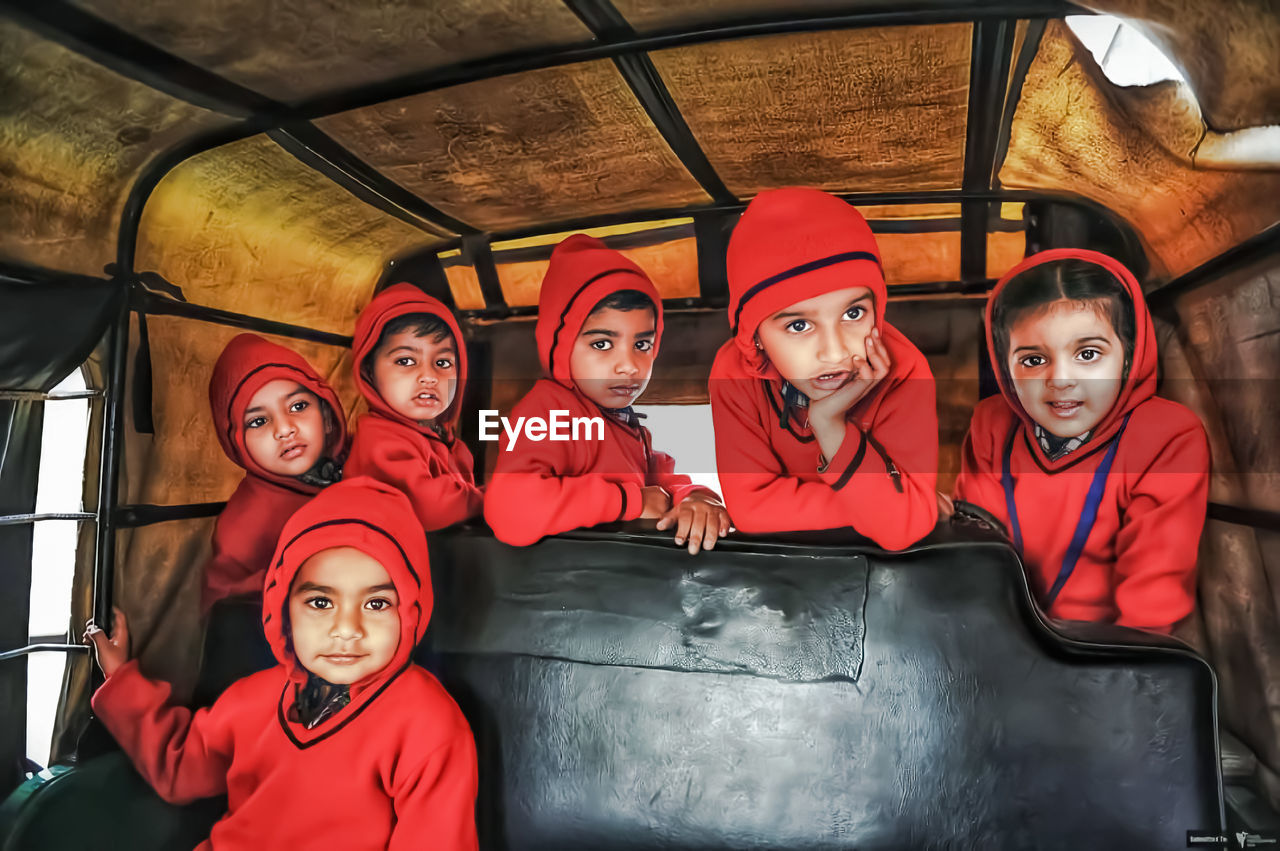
(612, 357)
(1067, 365)
(284, 428)
(817, 343)
(417, 376)
(344, 615)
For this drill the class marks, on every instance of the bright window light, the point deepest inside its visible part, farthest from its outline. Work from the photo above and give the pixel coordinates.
(684, 432)
(1123, 53)
(63, 443)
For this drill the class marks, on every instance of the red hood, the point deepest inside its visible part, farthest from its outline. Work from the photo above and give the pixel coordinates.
(378, 520)
(391, 303)
(245, 365)
(582, 273)
(1140, 385)
(790, 245)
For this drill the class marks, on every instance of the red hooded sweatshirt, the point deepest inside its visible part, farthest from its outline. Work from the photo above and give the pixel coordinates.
(1137, 566)
(791, 245)
(248, 528)
(436, 471)
(546, 487)
(394, 769)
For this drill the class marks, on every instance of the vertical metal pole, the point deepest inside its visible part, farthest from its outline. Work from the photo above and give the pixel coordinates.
(109, 471)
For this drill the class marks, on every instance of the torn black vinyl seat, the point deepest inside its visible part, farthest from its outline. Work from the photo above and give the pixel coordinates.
(809, 694)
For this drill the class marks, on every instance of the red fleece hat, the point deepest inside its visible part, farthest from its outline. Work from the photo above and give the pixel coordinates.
(1140, 384)
(378, 520)
(392, 303)
(582, 273)
(245, 365)
(793, 244)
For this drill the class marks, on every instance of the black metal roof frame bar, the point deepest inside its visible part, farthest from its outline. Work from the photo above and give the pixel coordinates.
(1026, 54)
(156, 305)
(109, 465)
(316, 149)
(130, 56)
(988, 79)
(476, 251)
(608, 25)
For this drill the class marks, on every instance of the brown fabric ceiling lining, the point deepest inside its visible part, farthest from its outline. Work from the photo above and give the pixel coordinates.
(654, 15)
(1004, 251)
(73, 137)
(1227, 49)
(1073, 132)
(920, 258)
(528, 149)
(248, 228)
(850, 111)
(293, 49)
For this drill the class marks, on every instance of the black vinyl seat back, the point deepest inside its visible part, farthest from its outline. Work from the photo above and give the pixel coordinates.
(801, 696)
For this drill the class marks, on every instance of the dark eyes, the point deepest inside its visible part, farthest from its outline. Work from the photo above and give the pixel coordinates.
(444, 363)
(855, 313)
(377, 604)
(1032, 361)
(1088, 355)
(256, 422)
(602, 345)
(300, 405)
(644, 345)
(798, 326)
(405, 361)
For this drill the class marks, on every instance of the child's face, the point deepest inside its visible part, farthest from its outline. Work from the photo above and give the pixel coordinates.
(344, 615)
(612, 358)
(1067, 365)
(814, 343)
(417, 376)
(284, 428)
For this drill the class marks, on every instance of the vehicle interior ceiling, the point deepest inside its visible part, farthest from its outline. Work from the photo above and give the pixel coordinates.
(236, 165)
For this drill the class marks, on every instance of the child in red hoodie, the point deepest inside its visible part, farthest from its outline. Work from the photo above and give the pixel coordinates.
(411, 366)
(280, 421)
(599, 325)
(1098, 481)
(346, 743)
(825, 415)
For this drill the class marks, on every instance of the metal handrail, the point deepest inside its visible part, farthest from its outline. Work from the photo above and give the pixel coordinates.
(43, 648)
(19, 519)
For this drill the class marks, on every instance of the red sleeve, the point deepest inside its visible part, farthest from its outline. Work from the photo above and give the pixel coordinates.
(979, 479)
(184, 756)
(440, 495)
(436, 797)
(662, 472)
(858, 488)
(526, 501)
(1159, 536)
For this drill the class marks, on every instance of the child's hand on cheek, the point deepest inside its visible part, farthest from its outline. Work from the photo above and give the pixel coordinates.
(698, 519)
(827, 415)
(111, 652)
(657, 502)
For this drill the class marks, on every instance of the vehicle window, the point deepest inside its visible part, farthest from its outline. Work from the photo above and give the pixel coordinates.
(685, 433)
(1124, 54)
(63, 444)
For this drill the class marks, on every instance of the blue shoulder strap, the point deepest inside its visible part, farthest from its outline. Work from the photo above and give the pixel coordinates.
(1088, 515)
